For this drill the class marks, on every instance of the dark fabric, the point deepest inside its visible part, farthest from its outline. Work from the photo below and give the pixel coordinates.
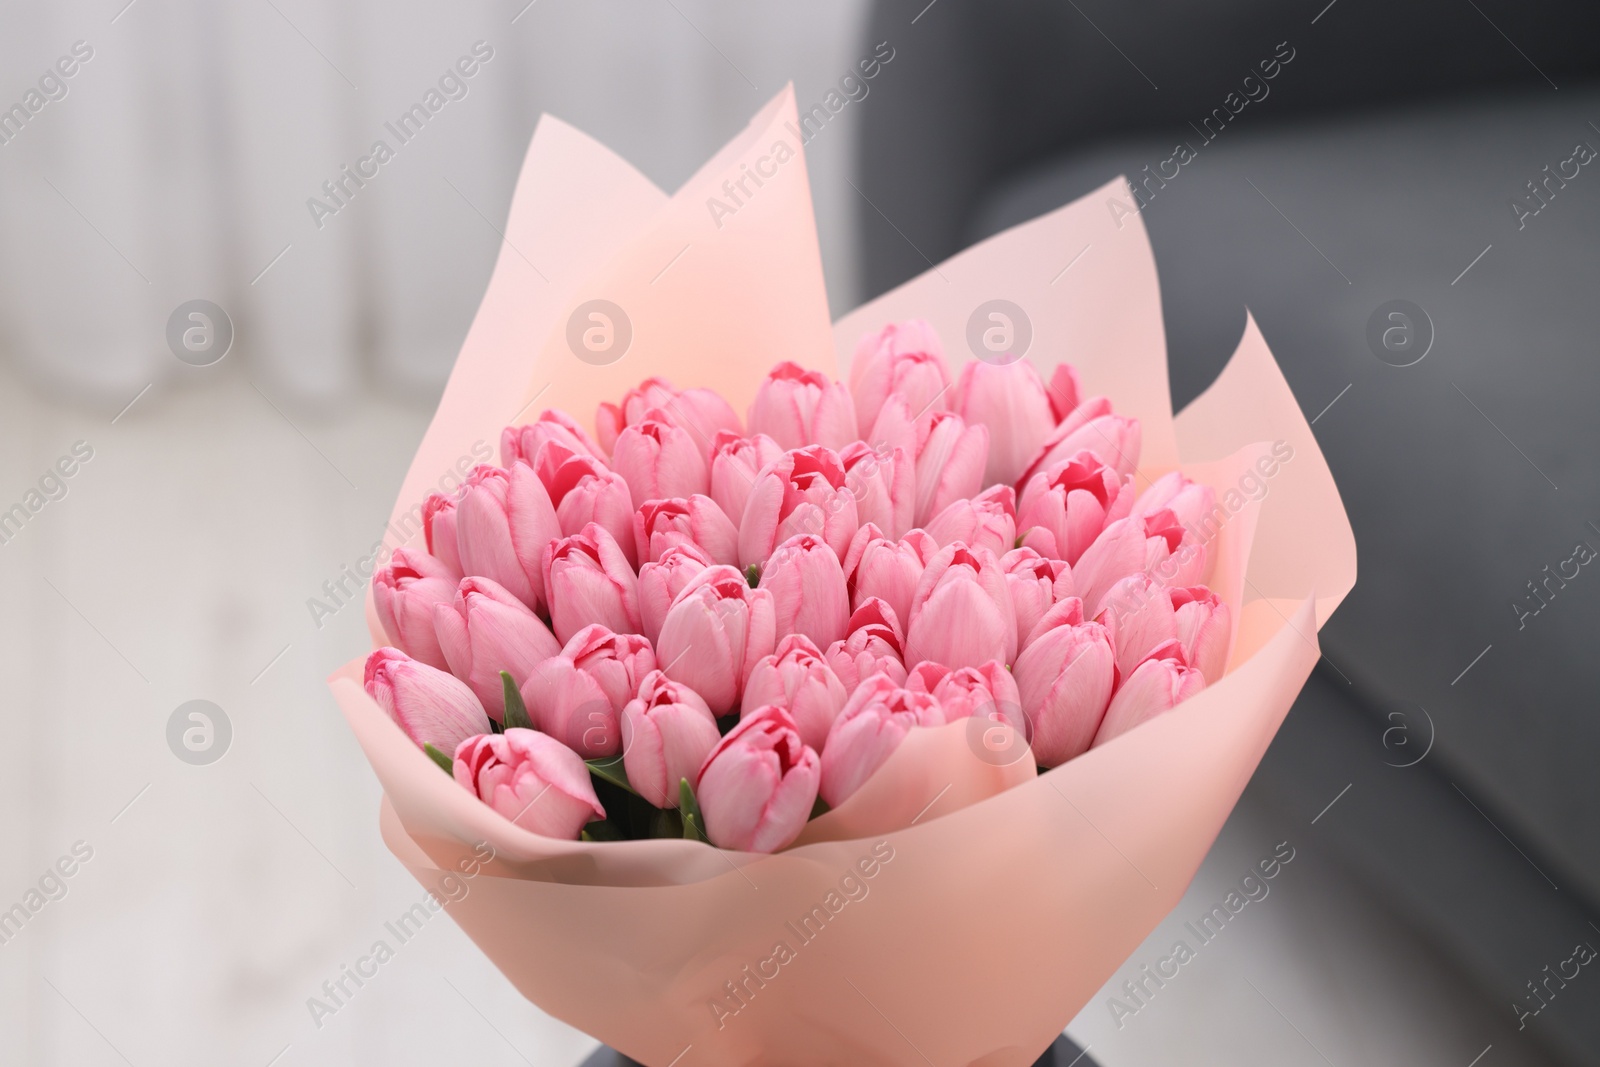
(980, 89)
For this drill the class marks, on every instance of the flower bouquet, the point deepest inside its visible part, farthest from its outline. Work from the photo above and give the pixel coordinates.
(810, 716)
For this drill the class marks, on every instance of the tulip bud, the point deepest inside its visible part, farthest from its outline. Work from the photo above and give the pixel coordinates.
(961, 611)
(611, 419)
(903, 359)
(484, 630)
(884, 481)
(1066, 507)
(585, 490)
(1158, 684)
(661, 582)
(803, 492)
(758, 786)
(1092, 427)
(432, 707)
(874, 721)
(589, 581)
(877, 566)
(1009, 399)
(660, 524)
(874, 645)
(660, 459)
(504, 522)
(989, 692)
(404, 592)
(577, 696)
(735, 462)
(1189, 501)
(439, 529)
(533, 780)
(988, 520)
(1152, 543)
(1205, 628)
(1065, 392)
(1036, 585)
(807, 586)
(528, 443)
(951, 458)
(714, 633)
(667, 733)
(1064, 681)
(797, 678)
(798, 407)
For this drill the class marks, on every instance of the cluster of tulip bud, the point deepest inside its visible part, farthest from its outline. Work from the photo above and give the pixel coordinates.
(730, 626)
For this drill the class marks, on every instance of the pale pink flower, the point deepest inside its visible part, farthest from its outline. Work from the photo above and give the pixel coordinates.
(988, 520)
(714, 633)
(660, 459)
(874, 721)
(874, 645)
(884, 481)
(808, 591)
(903, 359)
(431, 706)
(803, 492)
(1159, 684)
(533, 780)
(698, 521)
(1009, 399)
(661, 582)
(798, 407)
(667, 733)
(758, 786)
(585, 490)
(1036, 585)
(951, 457)
(590, 581)
(878, 566)
(484, 630)
(504, 523)
(577, 696)
(1065, 508)
(1094, 427)
(1064, 681)
(405, 592)
(735, 462)
(961, 611)
(797, 677)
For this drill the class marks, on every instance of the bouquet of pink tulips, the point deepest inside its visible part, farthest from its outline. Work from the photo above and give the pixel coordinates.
(699, 625)
(828, 631)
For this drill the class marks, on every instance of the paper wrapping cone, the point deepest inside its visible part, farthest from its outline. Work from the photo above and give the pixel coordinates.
(960, 909)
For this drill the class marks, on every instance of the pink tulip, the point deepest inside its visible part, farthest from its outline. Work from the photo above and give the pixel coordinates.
(1137, 613)
(697, 521)
(577, 696)
(590, 581)
(432, 707)
(803, 492)
(807, 586)
(1205, 628)
(1159, 684)
(735, 462)
(1189, 501)
(404, 592)
(1009, 399)
(528, 443)
(903, 359)
(884, 481)
(951, 458)
(877, 566)
(758, 786)
(533, 780)
(484, 630)
(1065, 392)
(797, 678)
(714, 633)
(667, 733)
(1064, 680)
(439, 529)
(660, 459)
(1154, 543)
(926, 676)
(611, 419)
(989, 692)
(1093, 427)
(988, 520)
(874, 645)
(504, 523)
(585, 490)
(874, 721)
(898, 426)
(702, 413)
(661, 582)
(961, 611)
(1036, 585)
(798, 407)
(1064, 508)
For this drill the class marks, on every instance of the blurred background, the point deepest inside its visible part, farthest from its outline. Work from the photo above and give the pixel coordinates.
(1345, 162)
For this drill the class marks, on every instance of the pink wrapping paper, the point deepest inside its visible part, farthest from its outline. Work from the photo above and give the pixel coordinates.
(999, 900)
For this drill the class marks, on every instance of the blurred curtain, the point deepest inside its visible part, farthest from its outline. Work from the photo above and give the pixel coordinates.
(180, 160)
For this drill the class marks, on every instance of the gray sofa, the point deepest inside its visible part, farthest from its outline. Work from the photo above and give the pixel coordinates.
(1388, 157)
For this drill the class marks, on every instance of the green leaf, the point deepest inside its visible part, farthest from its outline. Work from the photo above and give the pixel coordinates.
(694, 823)
(611, 769)
(602, 830)
(445, 763)
(819, 808)
(667, 823)
(516, 710)
(752, 574)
